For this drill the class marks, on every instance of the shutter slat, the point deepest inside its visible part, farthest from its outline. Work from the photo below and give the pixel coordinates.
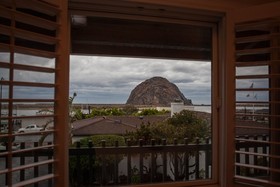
(26, 117)
(257, 76)
(27, 35)
(257, 115)
(2, 135)
(259, 25)
(253, 39)
(257, 141)
(28, 51)
(27, 166)
(257, 89)
(28, 67)
(242, 103)
(29, 100)
(35, 133)
(256, 181)
(34, 68)
(255, 51)
(33, 84)
(34, 180)
(255, 127)
(35, 5)
(27, 150)
(253, 63)
(257, 154)
(259, 167)
(28, 19)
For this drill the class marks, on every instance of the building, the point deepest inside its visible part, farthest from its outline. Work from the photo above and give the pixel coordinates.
(177, 107)
(111, 125)
(233, 34)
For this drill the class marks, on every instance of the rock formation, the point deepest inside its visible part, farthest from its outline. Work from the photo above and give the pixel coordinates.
(156, 91)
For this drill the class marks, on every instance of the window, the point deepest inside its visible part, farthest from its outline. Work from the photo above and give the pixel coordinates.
(106, 82)
(145, 36)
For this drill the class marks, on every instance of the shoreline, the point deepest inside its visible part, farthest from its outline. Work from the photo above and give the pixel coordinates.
(84, 105)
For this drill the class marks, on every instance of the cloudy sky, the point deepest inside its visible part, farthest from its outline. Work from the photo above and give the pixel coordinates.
(111, 79)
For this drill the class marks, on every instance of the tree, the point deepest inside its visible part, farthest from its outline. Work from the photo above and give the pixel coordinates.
(130, 109)
(189, 125)
(185, 124)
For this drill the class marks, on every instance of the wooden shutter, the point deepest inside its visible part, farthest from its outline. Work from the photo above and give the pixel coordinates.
(257, 63)
(33, 69)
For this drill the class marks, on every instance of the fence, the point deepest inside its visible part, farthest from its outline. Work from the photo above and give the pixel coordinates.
(124, 165)
(140, 164)
(259, 149)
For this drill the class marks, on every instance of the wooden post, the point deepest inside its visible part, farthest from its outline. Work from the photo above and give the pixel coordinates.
(153, 161)
(128, 163)
(247, 170)
(264, 151)
(197, 159)
(237, 158)
(208, 158)
(91, 161)
(141, 161)
(256, 171)
(61, 109)
(175, 160)
(36, 169)
(78, 164)
(187, 155)
(103, 165)
(22, 162)
(164, 160)
(116, 165)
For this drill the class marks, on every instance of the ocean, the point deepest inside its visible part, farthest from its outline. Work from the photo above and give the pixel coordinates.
(33, 111)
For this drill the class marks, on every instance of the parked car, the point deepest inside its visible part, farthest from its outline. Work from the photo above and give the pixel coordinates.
(30, 128)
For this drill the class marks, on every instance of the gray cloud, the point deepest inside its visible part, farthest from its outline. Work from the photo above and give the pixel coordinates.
(110, 80)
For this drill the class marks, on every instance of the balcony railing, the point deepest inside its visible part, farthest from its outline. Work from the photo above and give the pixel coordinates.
(124, 165)
(119, 165)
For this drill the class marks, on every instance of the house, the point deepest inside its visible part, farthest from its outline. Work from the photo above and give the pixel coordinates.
(237, 36)
(111, 125)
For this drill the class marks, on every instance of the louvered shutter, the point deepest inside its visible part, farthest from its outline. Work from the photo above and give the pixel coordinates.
(33, 70)
(257, 62)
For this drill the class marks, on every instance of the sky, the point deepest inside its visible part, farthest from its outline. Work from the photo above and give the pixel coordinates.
(109, 80)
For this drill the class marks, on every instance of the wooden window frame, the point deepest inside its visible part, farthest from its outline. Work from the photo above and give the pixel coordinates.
(218, 86)
(224, 93)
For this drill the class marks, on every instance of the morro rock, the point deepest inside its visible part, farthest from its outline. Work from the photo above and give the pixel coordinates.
(156, 91)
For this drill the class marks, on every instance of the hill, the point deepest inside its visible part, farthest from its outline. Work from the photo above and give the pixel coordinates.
(157, 91)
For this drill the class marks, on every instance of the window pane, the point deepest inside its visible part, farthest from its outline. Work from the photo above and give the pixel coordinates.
(172, 150)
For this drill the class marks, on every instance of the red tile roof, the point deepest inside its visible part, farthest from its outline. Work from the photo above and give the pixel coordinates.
(112, 124)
